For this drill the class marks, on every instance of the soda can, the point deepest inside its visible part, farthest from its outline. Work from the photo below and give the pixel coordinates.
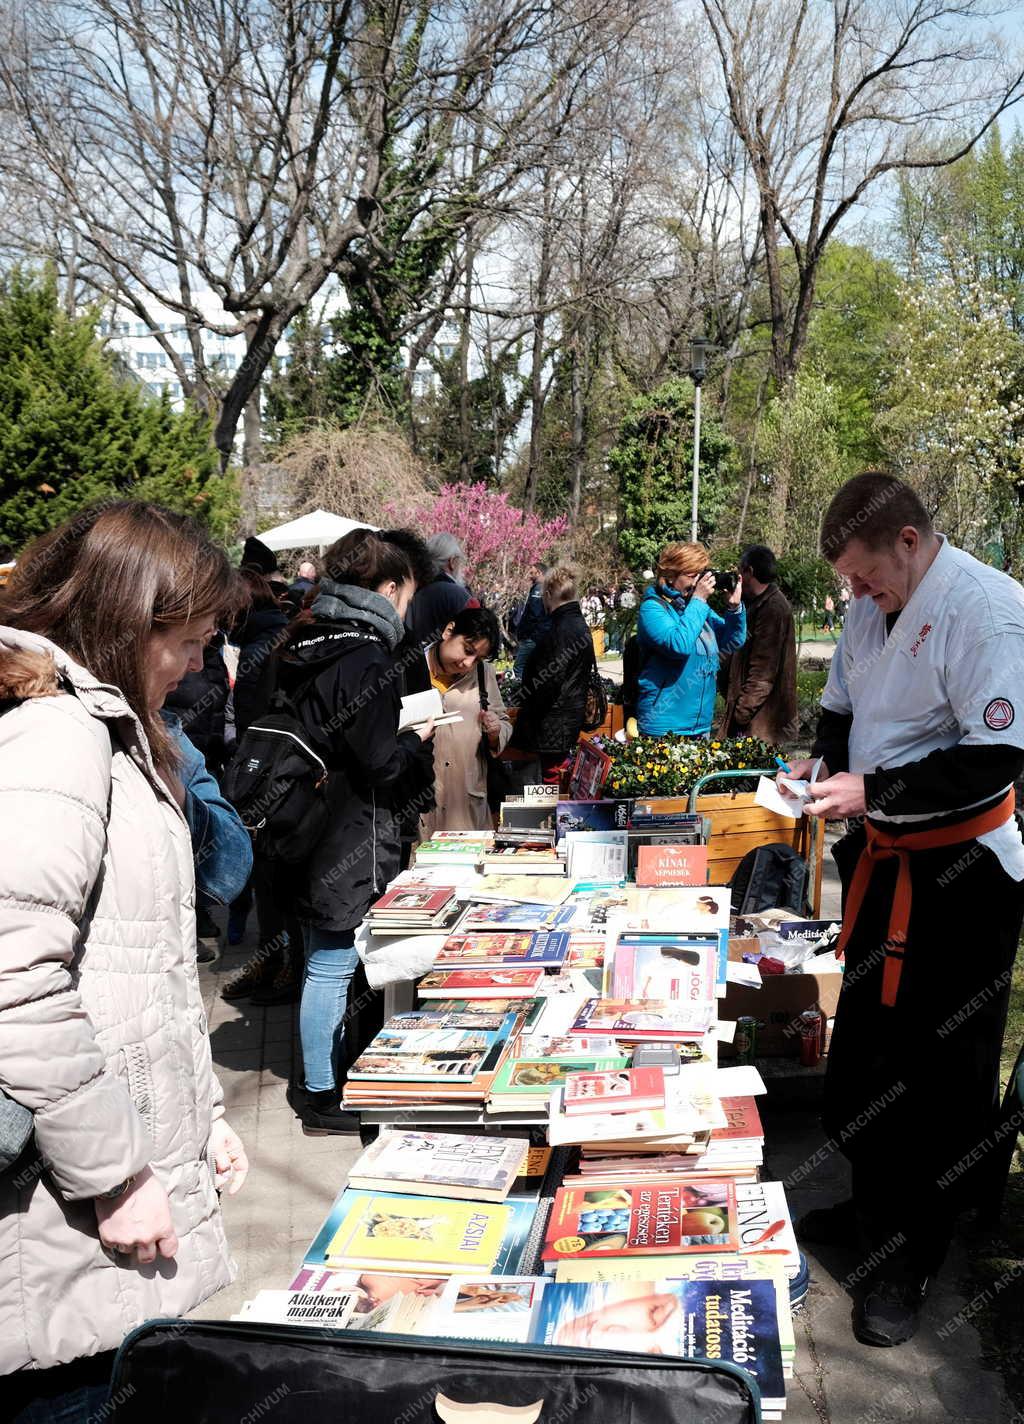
(810, 1025)
(745, 1039)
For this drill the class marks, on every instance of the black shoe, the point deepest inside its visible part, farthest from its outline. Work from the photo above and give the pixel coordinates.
(206, 951)
(256, 974)
(321, 1113)
(282, 989)
(831, 1226)
(890, 1313)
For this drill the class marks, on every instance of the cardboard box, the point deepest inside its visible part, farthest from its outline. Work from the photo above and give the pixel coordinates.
(777, 1004)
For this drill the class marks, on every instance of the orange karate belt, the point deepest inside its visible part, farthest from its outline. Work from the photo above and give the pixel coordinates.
(884, 845)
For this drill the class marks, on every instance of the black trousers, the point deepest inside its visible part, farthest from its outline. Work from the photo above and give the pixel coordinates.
(912, 1091)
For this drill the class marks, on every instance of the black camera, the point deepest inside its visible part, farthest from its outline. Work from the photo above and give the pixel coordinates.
(725, 580)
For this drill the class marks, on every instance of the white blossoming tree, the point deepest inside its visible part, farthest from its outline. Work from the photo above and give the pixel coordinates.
(953, 417)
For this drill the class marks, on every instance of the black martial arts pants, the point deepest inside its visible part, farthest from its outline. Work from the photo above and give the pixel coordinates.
(912, 1091)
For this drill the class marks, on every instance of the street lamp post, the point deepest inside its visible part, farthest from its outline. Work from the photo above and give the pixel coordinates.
(699, 347)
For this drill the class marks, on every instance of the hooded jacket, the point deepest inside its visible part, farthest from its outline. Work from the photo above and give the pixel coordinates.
(102, 1030)
(345, 682)
(680, 640)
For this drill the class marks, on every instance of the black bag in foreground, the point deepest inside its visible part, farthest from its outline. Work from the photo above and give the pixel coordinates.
(232, 1372)
(277, 782)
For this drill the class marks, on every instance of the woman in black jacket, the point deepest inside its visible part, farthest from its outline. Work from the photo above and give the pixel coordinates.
(345, 683)
(553, 696)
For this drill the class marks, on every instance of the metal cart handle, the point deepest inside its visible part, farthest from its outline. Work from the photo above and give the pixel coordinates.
(728, 775)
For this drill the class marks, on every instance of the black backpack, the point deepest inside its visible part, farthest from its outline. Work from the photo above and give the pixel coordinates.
(277, 783)
(768, 878)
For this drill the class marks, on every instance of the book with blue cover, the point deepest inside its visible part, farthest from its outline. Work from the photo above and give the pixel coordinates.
(733, 1320)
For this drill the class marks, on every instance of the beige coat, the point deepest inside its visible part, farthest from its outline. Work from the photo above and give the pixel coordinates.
(102, 1030)
(460, 772)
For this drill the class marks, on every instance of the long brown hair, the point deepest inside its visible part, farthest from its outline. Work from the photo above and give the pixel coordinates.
(99, 584)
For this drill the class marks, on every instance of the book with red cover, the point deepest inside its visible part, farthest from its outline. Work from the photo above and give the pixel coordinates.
(622, 1090)
(744, 1121)
(654, 1219)
(671, 865)
(414, 899)
(481, 984)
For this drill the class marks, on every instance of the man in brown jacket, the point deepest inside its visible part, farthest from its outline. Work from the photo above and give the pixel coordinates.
(760, 699)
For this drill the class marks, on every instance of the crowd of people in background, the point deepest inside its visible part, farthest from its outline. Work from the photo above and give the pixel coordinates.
(134, 662)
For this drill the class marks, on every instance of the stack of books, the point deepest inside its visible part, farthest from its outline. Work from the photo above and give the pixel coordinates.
(423, 1058)
(523, 852)
(636, 1109)
(416, 908)
(454, 848)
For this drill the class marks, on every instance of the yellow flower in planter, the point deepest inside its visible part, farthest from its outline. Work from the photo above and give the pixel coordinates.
(740, 766)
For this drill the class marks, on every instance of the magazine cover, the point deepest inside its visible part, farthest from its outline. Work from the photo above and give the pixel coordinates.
(723, 1320)
(442, 1160)
(481, 983)
(625, 1090)
(517, 917)
(658, 1219)
(529, 949)
(486, 1308)
(645, 965)
(535, 1076)
(589, 772)
(764, 1223)
(388, 1229)
(590, 816)
(689, 909)
(655, 1019)
(372, 1289)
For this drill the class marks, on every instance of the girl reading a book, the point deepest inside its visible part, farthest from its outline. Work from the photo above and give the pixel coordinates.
(461, 670)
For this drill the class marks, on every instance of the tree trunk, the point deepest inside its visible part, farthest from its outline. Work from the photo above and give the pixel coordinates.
(538, 350)
(465, 404)
(252, 431)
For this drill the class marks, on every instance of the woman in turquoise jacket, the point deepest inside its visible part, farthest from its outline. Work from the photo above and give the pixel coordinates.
(680, 640)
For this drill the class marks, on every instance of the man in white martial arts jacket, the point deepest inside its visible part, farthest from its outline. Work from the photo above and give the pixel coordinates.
(922, 735)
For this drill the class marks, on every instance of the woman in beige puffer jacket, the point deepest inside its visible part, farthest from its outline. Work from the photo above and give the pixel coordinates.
(102, 1030)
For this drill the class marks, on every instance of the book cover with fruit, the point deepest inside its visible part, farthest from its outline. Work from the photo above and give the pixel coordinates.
(627, 1090)
(657, 1219)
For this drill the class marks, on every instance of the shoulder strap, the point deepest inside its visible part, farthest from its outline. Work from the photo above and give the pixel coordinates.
(481, 684)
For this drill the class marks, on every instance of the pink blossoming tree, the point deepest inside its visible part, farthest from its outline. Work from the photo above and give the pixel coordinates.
(500, 540)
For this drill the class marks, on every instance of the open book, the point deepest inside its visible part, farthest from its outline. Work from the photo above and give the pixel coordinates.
(421, 707)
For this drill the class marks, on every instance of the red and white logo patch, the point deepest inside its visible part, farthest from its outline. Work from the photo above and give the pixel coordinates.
(999, 714)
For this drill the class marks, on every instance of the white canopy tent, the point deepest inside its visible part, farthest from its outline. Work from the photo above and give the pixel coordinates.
(318, 529)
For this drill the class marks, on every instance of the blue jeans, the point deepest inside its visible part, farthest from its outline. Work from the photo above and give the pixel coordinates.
(330, 963)
(66, 1394)
(523, 652)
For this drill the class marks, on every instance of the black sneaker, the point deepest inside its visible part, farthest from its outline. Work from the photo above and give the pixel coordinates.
(321, 1113)
(831, 1226)
(890, 1313)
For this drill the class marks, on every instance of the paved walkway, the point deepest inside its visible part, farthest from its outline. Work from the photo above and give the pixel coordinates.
(294, 1179)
